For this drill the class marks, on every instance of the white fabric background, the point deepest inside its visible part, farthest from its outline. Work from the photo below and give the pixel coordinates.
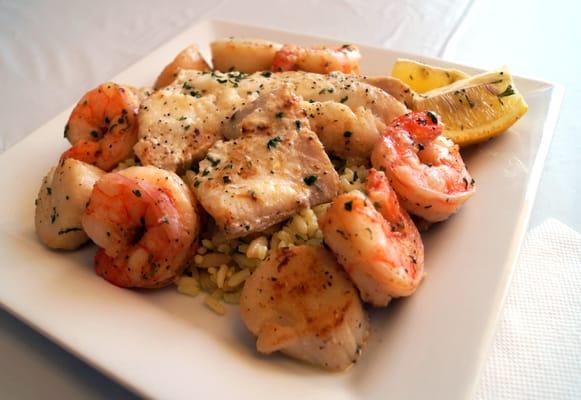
(536, 352)
(52, 52)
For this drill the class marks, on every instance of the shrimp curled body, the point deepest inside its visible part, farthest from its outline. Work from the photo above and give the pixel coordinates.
(145, 221)
(424, 167)
(376, 241)
(320, 59)
(103, 126)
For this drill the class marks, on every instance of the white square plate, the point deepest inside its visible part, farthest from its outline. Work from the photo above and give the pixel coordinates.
(164, 345)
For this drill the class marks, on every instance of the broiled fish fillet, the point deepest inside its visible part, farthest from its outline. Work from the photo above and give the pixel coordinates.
(266, 175)
(300, 301)
(348, 115)
(176, 128)
(178, 124)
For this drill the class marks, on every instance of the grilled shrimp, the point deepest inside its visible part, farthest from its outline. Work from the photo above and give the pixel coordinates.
(188, 58)
(103, 126)
(60, 202)
(319, 59)
(375, 240)
(424, 167)
(300, 302)
(145, 221)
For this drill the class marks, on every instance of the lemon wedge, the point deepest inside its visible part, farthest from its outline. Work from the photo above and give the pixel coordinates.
(477, 108)
(422, 77)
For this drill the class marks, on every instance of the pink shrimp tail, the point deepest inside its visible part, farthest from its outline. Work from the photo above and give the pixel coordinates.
(285, 59)
(85, 151)
(105, 267)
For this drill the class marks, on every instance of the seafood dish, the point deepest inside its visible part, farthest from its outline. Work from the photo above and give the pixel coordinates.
(276, 178)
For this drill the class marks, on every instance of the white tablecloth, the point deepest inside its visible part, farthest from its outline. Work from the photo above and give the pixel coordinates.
(52, 52)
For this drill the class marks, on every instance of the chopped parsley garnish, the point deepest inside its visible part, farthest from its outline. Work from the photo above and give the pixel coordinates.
(152, 271)
(328, 90)
(136, 192)
(432, 116)
(213, 161)
(279, 114)
(348, 205)
(226, 179)
(187, 86)
(49, 190)
(310, 180)
(347, 134)
(470, 102)
(298, 124)
(67, 230)
(266, 74)
(509, 91)
(273, 142)
(344, 99)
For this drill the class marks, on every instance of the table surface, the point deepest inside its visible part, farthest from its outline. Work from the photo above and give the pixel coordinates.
(52, 52)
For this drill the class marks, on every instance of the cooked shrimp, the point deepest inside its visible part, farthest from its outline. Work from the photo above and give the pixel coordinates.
(376, 241)
(188, 58)
(61, 201)
(299, 301)
(319, 59)
(145, 222)
(103, 126)
(424, 167)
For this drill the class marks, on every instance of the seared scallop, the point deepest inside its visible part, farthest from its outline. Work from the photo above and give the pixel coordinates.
(62, 197)
(300, 302)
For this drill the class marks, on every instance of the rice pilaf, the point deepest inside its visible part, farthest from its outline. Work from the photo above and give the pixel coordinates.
(221, 266)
